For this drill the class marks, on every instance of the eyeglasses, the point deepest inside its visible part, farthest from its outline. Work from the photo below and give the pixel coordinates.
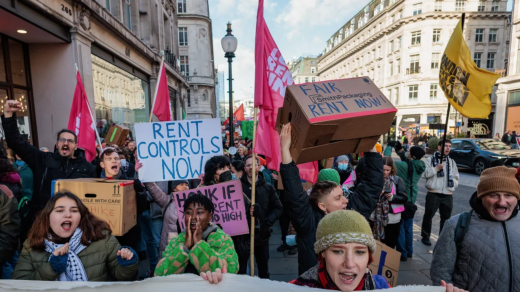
(70, 141)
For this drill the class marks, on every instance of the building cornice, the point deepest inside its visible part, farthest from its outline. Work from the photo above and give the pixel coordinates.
(395, 26)
(193, 16)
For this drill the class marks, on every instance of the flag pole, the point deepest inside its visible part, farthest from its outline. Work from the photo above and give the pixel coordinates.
(92, 117)
(253, 195)
(157, 88)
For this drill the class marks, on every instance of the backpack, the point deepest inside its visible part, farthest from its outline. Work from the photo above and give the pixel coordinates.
(462, 228)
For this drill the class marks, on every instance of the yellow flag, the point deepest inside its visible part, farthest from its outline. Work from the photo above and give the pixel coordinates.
(466, 86)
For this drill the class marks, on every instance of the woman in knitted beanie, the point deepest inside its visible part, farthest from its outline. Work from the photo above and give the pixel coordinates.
(345, 245)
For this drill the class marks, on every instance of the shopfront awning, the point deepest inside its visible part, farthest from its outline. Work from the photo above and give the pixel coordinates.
(408, 120)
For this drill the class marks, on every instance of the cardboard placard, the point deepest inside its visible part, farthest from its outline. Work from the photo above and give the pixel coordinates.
(386, 263)
(178, 149)
(117, 135)
(228, 199)
(331, 118)
(110, 200)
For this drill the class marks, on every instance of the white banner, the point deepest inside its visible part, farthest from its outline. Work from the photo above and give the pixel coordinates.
(187, 282)
(178, 149)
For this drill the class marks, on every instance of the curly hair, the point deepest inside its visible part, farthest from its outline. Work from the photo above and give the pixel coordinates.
(91, 226)
(211, 167)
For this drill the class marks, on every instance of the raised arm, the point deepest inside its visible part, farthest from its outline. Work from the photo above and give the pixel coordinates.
(157, 194)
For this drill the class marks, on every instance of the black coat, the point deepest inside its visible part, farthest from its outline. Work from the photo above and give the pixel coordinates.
(46, 166)
(400, 196)
(270, 207)
(305, 216)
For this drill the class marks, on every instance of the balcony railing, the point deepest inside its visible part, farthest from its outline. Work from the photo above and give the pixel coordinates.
(170, 58)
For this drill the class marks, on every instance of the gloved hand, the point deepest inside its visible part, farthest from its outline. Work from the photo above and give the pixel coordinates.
(398, 146)
(138, 186)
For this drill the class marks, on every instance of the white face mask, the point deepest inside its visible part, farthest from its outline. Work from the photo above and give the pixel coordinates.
(124, 163)
(262, 168)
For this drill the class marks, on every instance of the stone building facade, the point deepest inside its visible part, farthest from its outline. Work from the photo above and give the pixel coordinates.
(399, 45)
(304, 69)
(117, 46)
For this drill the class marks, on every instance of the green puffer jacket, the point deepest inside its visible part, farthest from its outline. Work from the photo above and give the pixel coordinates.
(402, 171)
(99, 260)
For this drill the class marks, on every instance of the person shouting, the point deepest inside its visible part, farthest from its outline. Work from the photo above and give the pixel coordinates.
(64, 163)
(306, 211)
(68, 243)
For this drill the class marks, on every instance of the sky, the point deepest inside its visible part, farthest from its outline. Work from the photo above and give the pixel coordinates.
(299, 27)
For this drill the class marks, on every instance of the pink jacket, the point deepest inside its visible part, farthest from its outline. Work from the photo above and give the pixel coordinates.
(170, 216)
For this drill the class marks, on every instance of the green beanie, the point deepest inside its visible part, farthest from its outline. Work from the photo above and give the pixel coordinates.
(329, 174)
(344, 226)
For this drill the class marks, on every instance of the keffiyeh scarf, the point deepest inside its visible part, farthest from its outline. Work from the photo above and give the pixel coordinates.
(436, 159)
(75, 270)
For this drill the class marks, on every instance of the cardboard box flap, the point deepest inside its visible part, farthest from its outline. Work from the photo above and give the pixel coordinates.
(320, 134)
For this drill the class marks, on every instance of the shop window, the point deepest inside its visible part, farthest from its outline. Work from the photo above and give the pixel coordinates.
(514, 97)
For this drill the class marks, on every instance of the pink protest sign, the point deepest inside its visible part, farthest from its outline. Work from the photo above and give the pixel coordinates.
(228, 199)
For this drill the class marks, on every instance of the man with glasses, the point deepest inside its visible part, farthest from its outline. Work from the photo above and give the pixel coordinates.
(64, 163)
(442, 177)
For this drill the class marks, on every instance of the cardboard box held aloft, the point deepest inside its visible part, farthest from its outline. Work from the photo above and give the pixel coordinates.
(117, 135)
(110, 200)
(332, 118)
(386, 263)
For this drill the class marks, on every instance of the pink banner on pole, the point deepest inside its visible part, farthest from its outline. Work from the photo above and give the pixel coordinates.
(228, 199)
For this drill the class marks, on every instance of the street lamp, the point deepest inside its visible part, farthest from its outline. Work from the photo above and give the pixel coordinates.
(229, 45)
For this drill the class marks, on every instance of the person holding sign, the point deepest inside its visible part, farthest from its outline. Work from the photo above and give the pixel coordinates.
(326, 197)
(68, 243)
(203, 247)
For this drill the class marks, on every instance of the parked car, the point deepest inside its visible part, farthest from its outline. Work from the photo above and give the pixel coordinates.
(479, 154)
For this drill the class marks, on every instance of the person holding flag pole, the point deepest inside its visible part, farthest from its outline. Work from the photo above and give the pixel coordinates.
(468, 89)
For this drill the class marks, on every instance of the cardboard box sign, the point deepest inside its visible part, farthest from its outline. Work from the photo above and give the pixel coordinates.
(110, 200)
(386, 263)
(331, 118)
(117, 135)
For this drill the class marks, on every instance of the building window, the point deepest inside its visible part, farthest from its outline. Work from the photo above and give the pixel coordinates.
(433, 91)
(313, 70)
(185, 65)
(417, 8)
(183, 36)
(413, 93)
(313, 79)
(416, 38)
(127, 14)
(400, 14)
(494, 6)
(479, 35)
(436, 35)
(436, 57)
(398, 43)
(493, 35)
(391, 46)
(398, 70)
(482, 6)
(107, 5)
(306, 79)
(514, 97)
(396, 98)
(460, 5)
(491, 60)
(181, 6)
(393, 18)
(414, 64)
(391, 67)
(438, 5)
(477, 57)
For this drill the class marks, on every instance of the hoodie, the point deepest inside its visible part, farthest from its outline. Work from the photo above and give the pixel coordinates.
(402, 171)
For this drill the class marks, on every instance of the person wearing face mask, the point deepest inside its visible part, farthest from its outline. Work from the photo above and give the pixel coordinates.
(266, 210)
(346, 175)
(237, 169)
(202, 247)
(479, 250)
(68, 243)
(126, 166)
(306, 211)
(217, 170)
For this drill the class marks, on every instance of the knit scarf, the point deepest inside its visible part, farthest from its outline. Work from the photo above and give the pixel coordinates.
(436, 159)
(75, 270)
(381, 214)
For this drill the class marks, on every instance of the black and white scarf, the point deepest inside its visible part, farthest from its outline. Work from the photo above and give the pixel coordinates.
(436, 159)
(75, 270)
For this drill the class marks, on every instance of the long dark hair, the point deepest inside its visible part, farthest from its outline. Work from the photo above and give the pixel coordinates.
(211, 167)
(6, 168)
(91, 226)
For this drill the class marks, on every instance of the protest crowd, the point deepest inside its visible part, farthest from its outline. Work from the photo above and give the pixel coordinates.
(193, 202)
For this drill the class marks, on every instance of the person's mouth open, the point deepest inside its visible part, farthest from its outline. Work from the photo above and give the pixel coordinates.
(66, 225)
(499, 210)
(65, 150)
(193, 225)
(347, 278)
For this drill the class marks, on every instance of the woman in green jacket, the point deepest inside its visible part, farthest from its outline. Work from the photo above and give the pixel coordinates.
(202, 247)
(68, 243)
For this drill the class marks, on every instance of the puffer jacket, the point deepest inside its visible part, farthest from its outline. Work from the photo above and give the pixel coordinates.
(305, 216)
(170, 217)
(9, 227)
(439, 185)
(99, 260)
(489, 256)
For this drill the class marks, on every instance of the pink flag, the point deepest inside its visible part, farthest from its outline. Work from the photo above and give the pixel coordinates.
(161, 105)
(80, 121)
(271, 79)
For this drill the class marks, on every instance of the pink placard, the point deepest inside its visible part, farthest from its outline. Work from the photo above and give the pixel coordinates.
(228, 199)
